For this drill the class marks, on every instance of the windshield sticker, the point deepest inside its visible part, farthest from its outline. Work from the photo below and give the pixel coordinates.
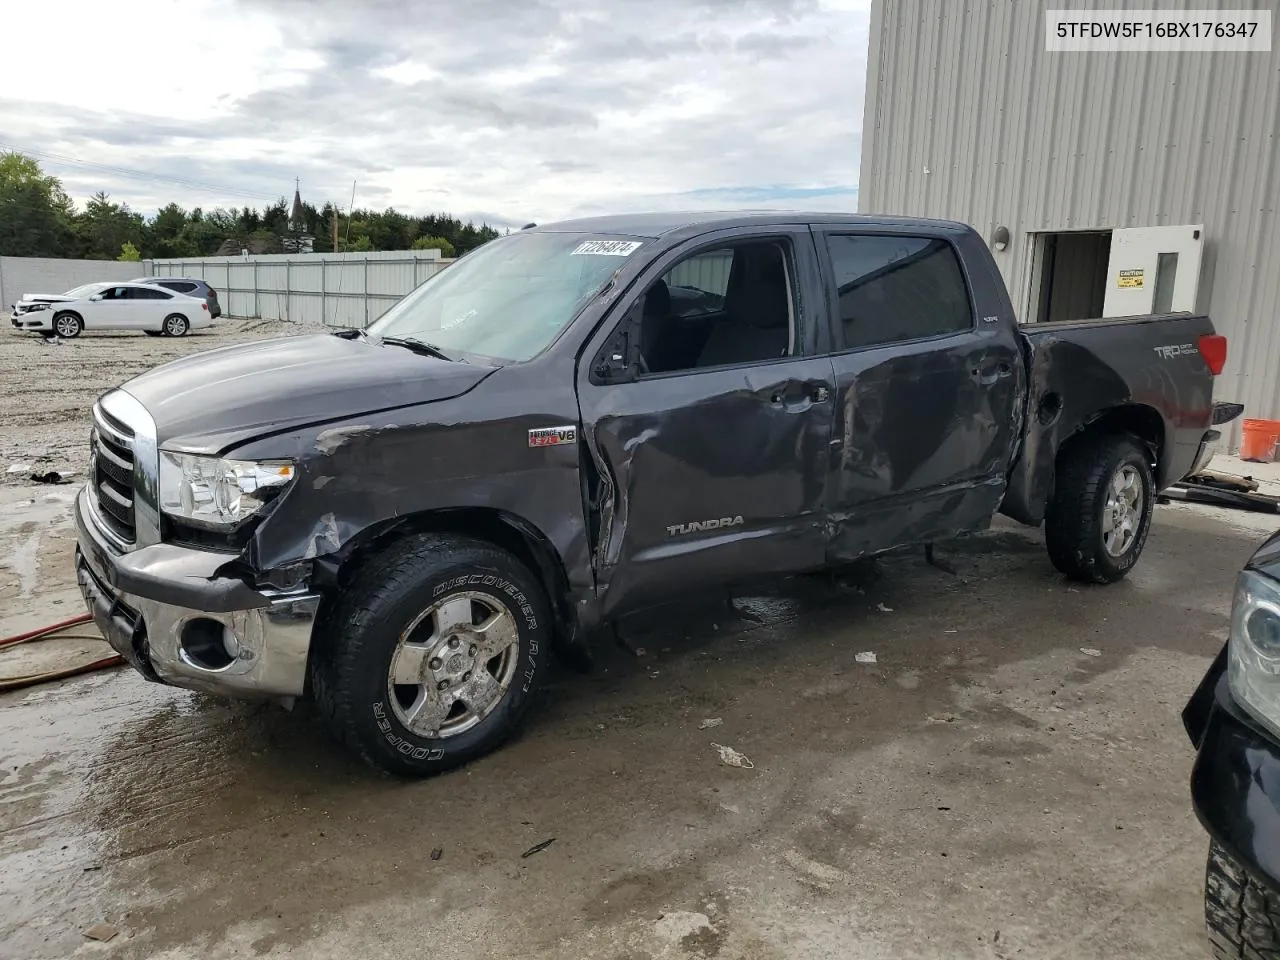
(606, 248)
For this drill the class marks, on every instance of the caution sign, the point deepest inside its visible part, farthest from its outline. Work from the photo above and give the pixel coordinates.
(1130, 278)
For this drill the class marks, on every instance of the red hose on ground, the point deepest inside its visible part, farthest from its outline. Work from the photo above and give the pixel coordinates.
(29, 680)
(42, 631)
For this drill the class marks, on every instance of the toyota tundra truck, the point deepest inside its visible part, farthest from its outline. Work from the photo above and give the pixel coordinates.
(579, 420)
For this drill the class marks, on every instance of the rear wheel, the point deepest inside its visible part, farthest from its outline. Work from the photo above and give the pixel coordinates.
(176, 325)
(431, 654)
(68, 325)
(1098, 519)
(1241, 917)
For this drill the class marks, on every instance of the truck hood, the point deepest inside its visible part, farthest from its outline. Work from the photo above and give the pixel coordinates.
(209, 402)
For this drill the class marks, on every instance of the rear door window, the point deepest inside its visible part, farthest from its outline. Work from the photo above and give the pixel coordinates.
(179, 286)
(892, 289)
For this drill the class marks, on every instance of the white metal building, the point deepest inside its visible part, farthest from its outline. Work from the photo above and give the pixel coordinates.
(1127, 182)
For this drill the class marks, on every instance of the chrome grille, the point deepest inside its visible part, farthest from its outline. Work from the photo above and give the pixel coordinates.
(111, 475)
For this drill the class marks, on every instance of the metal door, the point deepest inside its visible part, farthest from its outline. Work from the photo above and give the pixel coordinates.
(1153, 270)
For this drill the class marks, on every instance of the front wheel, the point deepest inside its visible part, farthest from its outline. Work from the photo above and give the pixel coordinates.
(1098, 519)
(176, 325)
(431, 654)
(68, 325)
(1241, 916)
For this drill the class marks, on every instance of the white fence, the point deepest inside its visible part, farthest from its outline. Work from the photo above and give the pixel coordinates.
(336, 289)
(23, 275)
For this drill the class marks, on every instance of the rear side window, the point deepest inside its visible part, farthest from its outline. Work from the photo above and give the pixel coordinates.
(892, 289)
(180, 287)
(147, 293)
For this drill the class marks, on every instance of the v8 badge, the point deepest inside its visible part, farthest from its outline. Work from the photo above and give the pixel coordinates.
(553, 436)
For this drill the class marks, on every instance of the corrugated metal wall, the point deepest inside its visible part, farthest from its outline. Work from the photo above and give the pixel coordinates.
(969, 118)
(339, 290)
(23, 275)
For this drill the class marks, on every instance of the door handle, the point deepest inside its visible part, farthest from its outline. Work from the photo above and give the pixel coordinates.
(817, 394)
(990, 375)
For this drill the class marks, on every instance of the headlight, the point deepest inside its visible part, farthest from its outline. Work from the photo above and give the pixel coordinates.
(218, 494)
(1254, 647)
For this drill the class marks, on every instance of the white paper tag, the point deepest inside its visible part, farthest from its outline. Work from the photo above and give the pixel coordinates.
(606, 248)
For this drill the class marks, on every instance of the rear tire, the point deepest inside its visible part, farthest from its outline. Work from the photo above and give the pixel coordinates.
(1241, 917)
(1098, 519)
(431, 654)
(68, 325)
(176, 325)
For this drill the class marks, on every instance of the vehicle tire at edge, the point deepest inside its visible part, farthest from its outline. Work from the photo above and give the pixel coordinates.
(1241, 917)
(75, 331)
(1074, 519)
(173, 329)
(354, 647)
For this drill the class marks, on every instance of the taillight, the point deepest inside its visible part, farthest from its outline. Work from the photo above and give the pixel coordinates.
(1213, 347)
(213, 293)
(204, 307)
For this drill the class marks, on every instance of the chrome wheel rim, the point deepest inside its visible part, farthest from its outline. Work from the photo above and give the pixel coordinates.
(1123, 510)
(175, 326)
(453, 664)
(67, 326)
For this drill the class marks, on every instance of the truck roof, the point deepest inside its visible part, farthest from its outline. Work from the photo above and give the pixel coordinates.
(659, 224)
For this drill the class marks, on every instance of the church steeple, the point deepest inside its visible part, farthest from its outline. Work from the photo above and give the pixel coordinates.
(298, 219)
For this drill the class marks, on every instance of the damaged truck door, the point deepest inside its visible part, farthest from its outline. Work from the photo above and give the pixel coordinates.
(713, 433)
(584, 418)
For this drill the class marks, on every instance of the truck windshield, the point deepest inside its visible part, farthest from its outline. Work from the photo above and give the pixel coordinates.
(511, 297)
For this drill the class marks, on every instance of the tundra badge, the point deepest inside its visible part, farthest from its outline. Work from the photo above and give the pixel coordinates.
(552, 436)
(697, 526)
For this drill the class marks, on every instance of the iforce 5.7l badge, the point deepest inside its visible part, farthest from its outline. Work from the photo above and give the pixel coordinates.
(553, 436)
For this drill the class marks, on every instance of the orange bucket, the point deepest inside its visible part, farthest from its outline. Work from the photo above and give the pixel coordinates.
(1258, 441)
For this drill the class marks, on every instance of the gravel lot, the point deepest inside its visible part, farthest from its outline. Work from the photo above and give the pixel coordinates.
(46, 389)
(984, 790)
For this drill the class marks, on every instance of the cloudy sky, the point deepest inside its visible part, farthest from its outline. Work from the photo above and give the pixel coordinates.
(498, 110)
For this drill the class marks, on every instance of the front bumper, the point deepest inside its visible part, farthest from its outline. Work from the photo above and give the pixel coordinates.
(153, 604)
(35, 320)
(1235, 783)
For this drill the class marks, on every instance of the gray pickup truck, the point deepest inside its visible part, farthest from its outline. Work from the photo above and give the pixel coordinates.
(586, 418)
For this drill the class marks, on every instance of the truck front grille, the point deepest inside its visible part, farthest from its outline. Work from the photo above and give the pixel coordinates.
(111, 480)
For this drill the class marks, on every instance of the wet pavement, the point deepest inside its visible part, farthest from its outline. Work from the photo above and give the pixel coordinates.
(985, 789)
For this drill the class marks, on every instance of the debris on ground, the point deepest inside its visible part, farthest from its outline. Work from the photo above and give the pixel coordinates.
(437, 853)
(537, 848)
(1222, 495)
(17, 468)
(53, 476)
(709, 723)
(732, 758)
(1090, 652)
(884, 609)
(102, 932)
(865, 657)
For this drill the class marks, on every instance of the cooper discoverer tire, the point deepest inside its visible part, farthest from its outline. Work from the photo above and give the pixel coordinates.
(431, 654)
(1097, 521)
(1241, 917)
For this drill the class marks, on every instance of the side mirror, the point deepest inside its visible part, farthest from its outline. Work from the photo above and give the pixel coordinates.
(95, 298)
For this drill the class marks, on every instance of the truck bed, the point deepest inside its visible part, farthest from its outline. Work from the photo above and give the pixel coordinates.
(1145, 372)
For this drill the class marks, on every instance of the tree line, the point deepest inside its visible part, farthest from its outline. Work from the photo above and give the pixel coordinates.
(38, 219)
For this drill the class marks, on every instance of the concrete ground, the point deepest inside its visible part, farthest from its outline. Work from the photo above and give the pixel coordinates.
(985, 789)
